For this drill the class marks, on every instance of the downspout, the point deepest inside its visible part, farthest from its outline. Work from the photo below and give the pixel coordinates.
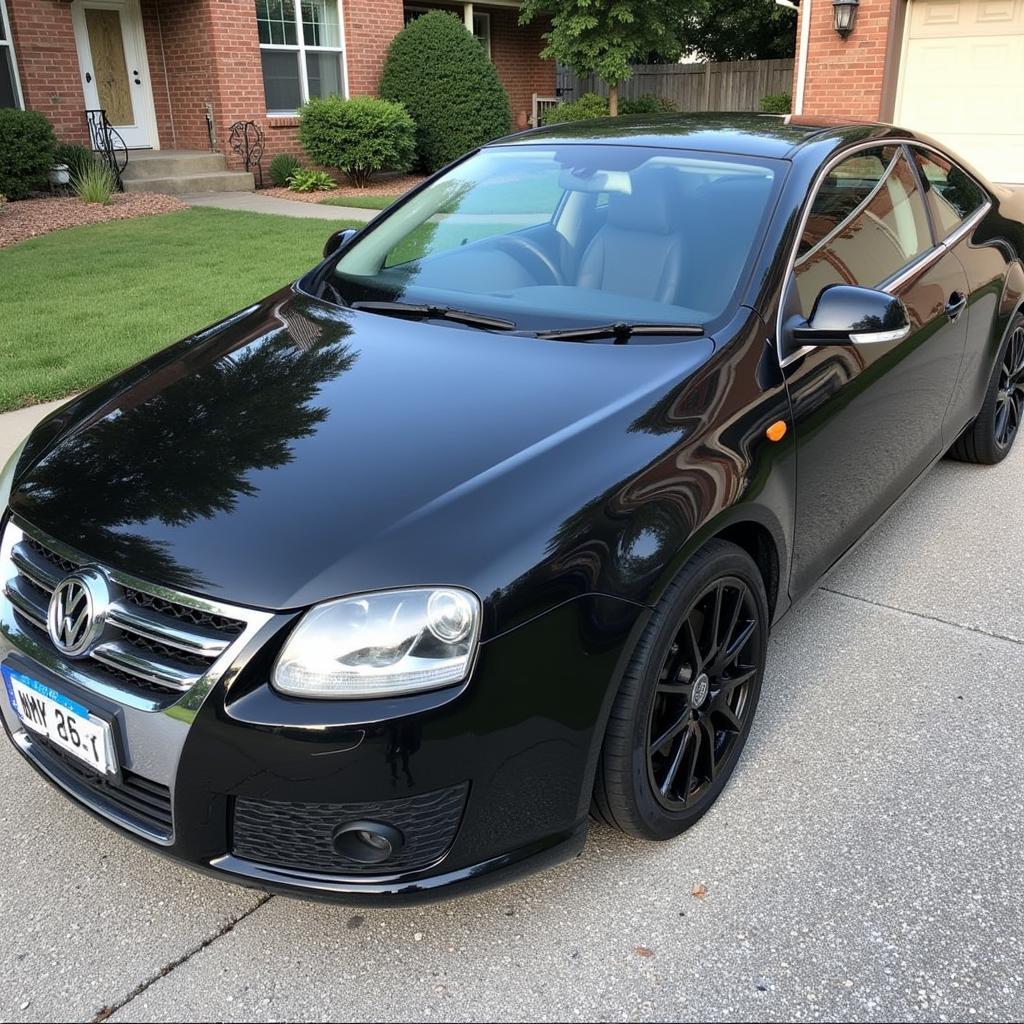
(167, 83)
(805, 43)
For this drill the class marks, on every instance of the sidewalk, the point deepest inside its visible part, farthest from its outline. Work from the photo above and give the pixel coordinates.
(253, 202)
(15, 426)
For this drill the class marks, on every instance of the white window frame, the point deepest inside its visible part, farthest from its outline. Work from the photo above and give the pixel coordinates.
(484, 18)
(8, 41)
(301, 49)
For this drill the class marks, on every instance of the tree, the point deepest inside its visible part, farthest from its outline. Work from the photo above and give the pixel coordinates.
(448, 84)
(604, 37)
(738, 30)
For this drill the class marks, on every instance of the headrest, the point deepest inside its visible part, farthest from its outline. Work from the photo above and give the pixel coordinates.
(652, 205)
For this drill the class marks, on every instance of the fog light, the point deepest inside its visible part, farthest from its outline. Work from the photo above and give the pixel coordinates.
(367, 842)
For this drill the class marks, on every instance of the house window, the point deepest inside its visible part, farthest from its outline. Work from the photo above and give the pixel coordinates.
(10, 87)
(482, 30)
(481, 24)
(302, 50)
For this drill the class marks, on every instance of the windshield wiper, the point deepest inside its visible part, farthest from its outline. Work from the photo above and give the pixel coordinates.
(415, 311)
(622, 332)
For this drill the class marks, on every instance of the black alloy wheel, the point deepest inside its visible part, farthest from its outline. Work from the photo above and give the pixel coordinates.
(1010, 393)
(702, 699)
(686, 701)
(990, 437)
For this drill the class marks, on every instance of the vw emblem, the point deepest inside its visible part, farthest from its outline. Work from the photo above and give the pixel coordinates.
(78, 612)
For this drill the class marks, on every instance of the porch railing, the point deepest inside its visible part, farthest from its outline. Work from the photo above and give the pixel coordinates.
(246, 139)
(107, 144)
(540, 105)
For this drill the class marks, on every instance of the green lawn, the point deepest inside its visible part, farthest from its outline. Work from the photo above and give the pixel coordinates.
(78, 305)
(360, 202)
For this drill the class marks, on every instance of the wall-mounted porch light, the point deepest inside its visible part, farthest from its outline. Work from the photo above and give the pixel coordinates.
(844, 16)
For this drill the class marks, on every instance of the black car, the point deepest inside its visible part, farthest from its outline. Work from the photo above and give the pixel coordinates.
(378, 587)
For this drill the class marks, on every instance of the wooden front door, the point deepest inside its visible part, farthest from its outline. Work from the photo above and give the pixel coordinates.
(114, 68)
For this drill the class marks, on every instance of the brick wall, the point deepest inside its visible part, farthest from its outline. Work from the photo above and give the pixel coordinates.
(844, 78)
(151, 26)
(180, 39)
(369, 28)
(44, 44)
(515, 51)
(207, 52)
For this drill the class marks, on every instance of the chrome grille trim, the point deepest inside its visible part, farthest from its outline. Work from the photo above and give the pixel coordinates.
(163, 647)
(143, 622)
(149, 667)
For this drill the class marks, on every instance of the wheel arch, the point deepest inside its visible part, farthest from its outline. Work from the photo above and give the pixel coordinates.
(757, 531)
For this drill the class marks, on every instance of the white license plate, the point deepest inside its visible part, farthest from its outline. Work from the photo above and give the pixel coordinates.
(63, 721)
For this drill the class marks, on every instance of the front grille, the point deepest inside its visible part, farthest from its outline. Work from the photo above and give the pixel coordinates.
(144, 802)
(161, 643)
(301, 835)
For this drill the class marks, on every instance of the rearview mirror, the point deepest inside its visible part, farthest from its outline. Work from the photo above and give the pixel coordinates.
(847, 315)
(338, 239)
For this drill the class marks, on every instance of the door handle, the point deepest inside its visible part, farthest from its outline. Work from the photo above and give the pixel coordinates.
(955, 306)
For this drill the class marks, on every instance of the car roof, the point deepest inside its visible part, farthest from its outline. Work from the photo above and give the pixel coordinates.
(756, 135)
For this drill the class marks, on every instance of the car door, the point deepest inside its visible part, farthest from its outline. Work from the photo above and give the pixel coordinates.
(869, 417)
(957, 203)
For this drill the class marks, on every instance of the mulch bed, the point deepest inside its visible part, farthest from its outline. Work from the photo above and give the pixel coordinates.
(383, 187)
(27, 218)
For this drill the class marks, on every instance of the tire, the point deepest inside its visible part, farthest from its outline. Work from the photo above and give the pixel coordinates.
(990, 437)
(663, 690)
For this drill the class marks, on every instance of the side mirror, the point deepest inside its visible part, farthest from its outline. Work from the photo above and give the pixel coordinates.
(847, 315)
(338, 239)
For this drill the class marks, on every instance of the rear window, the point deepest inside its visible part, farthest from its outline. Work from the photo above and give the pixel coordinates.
(951, 193)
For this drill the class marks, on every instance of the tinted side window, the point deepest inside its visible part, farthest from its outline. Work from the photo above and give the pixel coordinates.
(952, 196)
(868, 221)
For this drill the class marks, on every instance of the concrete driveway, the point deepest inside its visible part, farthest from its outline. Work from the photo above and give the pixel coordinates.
(866, 862)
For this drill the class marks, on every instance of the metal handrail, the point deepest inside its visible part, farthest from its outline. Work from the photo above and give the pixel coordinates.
(107, 144)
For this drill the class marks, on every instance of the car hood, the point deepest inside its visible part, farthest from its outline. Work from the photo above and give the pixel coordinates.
(299, 451)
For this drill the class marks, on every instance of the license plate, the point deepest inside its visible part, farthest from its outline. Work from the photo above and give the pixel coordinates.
(63, 721)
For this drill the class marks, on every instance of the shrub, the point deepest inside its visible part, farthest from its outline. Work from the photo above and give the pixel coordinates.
(77, 158)
(360, 136)
(282, 167)
(94, 184)
(449, 86)
(588, 106)
(777, 103)
(591, 105)
(648, 103)
(26, 151)
(310, 181)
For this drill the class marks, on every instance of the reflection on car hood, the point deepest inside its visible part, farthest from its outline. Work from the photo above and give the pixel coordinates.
(299, 451)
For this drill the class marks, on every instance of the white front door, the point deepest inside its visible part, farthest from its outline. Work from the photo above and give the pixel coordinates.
(115, 71)
(962, 80)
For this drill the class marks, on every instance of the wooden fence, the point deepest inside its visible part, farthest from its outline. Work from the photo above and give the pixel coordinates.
(735, 85)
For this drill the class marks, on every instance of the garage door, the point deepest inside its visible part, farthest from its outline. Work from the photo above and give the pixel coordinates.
(962, 80)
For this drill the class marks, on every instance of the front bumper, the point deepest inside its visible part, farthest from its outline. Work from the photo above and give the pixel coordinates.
(484, 781)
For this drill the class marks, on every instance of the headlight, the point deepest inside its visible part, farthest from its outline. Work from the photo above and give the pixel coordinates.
(381, 645)
(7, 476)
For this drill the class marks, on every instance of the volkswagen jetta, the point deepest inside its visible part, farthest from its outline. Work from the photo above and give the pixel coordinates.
(378, 587)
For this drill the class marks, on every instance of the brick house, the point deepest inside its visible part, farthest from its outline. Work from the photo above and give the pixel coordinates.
(176, 74)
(951, 68)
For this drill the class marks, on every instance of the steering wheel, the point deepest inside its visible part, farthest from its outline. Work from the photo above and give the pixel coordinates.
(528, 253)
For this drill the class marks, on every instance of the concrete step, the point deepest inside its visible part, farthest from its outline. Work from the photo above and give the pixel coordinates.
(180, 184)
(170, 163)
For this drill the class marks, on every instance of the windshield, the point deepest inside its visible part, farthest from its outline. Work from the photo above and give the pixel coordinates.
(557, 237)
